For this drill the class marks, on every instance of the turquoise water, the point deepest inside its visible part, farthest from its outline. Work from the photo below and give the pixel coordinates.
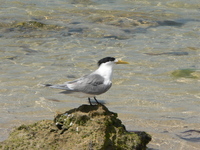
(57, 41)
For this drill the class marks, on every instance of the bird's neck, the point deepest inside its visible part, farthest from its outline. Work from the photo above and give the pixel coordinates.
(105, 71)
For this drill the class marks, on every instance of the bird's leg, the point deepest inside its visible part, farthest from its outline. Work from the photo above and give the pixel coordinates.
(96, 100)
(89, 101)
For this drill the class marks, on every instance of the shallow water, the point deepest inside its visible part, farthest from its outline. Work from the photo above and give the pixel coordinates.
(57, 41)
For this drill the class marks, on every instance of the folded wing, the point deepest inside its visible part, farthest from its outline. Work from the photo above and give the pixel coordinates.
(89, 84)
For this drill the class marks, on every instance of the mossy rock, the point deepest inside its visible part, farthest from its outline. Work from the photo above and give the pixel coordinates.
(184, 73)
(83, 128)
(35, 25)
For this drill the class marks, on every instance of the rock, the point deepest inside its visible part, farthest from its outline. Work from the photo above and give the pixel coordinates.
(169, 53)
(190, 135)
(34, 25)
(83, 128)
(185, 73)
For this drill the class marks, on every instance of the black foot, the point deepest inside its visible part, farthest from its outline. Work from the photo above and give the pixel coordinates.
(89, 101)
(96, 100)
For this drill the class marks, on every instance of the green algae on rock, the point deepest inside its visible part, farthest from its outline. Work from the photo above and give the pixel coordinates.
(35, 25)
(84, 128)
(184, 73)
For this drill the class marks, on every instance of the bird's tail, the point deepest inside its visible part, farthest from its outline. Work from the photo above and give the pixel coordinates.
(46, 84)
(58, 86)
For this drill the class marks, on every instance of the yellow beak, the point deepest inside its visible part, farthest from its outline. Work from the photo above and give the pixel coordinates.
(121, 62)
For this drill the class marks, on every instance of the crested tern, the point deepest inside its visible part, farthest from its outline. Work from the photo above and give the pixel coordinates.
(95, 83)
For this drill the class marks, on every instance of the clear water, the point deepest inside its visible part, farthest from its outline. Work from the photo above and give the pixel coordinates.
(156, 37)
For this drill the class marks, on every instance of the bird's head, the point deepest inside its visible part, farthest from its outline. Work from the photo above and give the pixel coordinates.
(111, 60)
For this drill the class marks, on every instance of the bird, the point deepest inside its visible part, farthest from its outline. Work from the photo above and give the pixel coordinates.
(95, 83)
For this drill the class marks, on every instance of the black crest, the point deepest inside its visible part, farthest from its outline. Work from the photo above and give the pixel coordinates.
(106, 59)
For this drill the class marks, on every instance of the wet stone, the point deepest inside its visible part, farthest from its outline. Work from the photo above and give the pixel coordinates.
(185, 73)
(83, 128)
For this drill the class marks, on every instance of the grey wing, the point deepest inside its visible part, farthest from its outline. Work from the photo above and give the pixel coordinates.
(60, 86)
(91, 84)
(69, 86)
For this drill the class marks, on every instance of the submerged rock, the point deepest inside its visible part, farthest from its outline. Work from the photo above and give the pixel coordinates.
(83, 128)
(185, 73)
(169, 53)
(35, 25)
(190, 135)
